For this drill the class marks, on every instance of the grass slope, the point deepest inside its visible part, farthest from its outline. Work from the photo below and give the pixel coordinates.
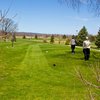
(27, 71)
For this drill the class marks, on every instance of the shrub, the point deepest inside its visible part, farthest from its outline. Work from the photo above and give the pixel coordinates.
(67, 41)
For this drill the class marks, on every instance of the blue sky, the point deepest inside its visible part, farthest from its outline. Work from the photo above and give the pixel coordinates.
(50, 16)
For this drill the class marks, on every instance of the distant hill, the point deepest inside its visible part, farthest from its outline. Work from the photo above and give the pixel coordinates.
(31, 34)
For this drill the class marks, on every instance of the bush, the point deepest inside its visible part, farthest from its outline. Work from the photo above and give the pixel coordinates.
(67, 41)
(44, 40)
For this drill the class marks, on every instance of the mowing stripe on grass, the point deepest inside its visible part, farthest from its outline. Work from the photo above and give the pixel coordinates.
(34, 58)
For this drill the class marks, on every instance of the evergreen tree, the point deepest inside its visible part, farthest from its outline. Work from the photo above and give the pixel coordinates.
(36, 37)
(92, 37)
(64, 36)
(81, 36)
(52, 39)
(14, 37)
(97, 42)
(24, 36)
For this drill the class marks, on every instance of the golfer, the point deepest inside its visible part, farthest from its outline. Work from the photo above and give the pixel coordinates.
(73, 43)
(86, 49)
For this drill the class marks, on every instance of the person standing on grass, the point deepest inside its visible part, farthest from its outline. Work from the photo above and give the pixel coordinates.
(86, 49)
(73, 43)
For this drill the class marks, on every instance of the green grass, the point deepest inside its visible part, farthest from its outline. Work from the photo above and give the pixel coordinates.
(27, 71)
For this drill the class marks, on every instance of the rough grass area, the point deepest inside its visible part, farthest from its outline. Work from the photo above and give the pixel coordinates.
(40, 71)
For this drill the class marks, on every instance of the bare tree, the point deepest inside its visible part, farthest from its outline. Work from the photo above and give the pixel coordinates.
(7, 25)
(93, 84)
(3, 14)
(92, 5)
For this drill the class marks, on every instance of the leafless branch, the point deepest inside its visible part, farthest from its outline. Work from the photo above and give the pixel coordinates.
(92, 5)
(86, 82)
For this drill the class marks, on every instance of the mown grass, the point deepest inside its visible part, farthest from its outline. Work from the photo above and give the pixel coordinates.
(32, 70)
